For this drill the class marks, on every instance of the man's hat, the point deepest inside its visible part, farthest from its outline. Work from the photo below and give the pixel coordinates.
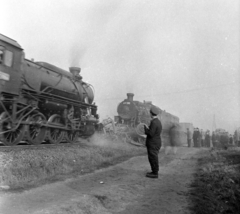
(154, 110)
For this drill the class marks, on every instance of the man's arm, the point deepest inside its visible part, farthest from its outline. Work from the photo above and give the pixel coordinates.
(151, 130)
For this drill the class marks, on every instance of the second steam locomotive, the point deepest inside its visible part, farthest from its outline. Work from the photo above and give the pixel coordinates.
(41, 102)
(131, 113)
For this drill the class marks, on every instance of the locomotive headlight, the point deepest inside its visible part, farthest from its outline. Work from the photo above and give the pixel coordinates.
(4, 76)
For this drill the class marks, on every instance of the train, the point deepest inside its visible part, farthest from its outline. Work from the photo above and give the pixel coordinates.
(132, 114)
(40, 102)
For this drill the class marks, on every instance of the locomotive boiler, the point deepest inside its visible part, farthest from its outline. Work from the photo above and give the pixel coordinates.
(133, 113)
(41, 102)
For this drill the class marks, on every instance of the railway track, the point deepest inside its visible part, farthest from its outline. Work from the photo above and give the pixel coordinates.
(24, 145)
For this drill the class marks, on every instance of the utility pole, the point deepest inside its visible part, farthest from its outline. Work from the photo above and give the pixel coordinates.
(214, 126)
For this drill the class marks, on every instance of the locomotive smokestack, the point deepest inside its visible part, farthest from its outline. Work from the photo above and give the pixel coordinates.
(130, 96)
(75, 71)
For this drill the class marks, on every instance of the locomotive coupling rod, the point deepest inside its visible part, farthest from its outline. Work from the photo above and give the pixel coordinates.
(47, 125)
(53, 125)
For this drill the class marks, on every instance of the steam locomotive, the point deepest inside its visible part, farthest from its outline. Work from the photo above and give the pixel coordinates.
(132, 113)
(41, 102)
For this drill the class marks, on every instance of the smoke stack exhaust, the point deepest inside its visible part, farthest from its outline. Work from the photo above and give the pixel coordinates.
(75, 71)
(130, 96)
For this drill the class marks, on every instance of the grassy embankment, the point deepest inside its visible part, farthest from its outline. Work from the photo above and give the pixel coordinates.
(216, 188)
(32, 167)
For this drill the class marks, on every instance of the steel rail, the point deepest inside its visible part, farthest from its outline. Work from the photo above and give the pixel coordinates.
(39, 146)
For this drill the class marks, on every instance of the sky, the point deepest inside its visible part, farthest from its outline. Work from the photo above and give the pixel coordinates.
(181, 55)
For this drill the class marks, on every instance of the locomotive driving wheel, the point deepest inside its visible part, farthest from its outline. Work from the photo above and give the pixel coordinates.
(9, 134)
(142, 141)
(55, 135)
(71, 136)
(35, 131)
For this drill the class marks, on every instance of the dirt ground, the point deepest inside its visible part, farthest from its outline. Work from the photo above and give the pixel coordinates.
(118, 189)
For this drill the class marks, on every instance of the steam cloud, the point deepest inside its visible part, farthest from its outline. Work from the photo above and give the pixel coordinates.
(76, 55)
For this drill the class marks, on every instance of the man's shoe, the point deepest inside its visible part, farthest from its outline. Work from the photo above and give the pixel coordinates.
(149, 173)
(152, 175)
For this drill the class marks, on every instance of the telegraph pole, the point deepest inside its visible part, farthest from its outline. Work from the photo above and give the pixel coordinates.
(214, 126)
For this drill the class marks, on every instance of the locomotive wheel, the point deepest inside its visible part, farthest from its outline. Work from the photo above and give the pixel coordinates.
(72, 136)
(55, 135)
(142, 141)
(10, 137)
(35, 132)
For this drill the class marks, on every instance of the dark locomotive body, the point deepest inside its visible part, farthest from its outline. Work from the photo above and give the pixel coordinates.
(131, 113)
(41, 102)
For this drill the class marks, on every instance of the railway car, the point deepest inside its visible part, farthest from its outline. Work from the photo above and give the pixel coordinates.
(41, 102)
(221, 138)
(131, 113)
(236, 137)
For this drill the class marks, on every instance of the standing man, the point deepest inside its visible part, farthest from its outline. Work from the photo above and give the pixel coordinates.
(195, 137)
(238, 136)
(153, 142)
(199, 138)
(202, 138)
(214, 138)
(207, 138)
(230, 139)
(189, 137)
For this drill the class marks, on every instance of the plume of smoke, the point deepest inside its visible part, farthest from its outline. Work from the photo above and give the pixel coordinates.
(177, 138)
(77, 52)
(105, 141)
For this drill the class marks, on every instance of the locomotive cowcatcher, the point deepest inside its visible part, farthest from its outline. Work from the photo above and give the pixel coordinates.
(41, 102)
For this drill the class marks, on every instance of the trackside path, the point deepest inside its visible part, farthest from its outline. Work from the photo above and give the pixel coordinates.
(118, 189)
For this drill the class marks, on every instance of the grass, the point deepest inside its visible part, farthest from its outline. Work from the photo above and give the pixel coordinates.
(21, 169)
(216, 188)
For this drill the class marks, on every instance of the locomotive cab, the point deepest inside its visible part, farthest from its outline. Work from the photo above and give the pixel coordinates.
(11, 55)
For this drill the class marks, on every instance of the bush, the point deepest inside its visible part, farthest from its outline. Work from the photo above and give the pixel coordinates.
(216, 188)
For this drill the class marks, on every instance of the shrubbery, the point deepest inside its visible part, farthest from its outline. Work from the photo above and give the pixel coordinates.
(216, 188)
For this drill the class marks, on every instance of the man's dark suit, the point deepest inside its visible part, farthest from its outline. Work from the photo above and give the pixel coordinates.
(153, 143)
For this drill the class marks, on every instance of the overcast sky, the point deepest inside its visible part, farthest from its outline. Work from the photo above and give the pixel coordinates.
(181, 54)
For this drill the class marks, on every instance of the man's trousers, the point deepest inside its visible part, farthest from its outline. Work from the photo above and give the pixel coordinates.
(153, 151)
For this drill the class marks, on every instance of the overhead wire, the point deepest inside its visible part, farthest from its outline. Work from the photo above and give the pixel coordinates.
(178, 92)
